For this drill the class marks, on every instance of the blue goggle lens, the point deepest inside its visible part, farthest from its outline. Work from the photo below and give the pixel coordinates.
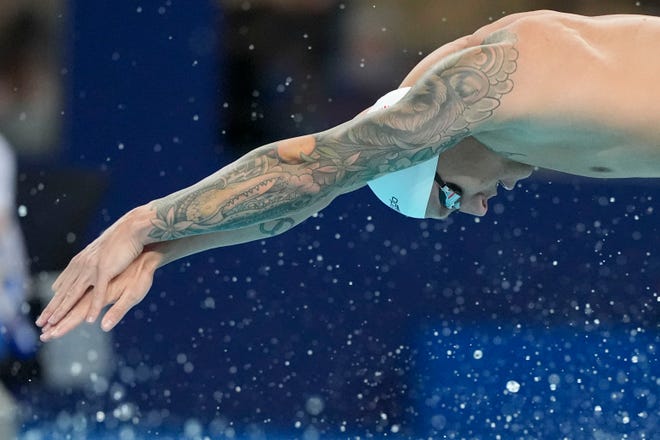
(449, 198)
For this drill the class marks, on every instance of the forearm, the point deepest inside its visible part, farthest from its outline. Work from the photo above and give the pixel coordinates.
(168, 251)
(271, 184)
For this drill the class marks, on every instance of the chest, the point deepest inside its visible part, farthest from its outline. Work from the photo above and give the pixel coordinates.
(585, 150)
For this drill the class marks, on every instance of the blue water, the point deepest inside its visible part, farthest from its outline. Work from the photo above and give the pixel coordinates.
(469, 382)
(531, 382)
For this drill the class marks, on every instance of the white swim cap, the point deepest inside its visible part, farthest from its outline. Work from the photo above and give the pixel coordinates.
(406, 191)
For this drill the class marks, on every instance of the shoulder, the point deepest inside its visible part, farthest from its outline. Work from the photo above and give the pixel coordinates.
(525, 25)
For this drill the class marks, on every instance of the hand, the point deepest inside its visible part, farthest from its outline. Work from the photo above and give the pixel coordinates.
(124, 291)
(92, 269)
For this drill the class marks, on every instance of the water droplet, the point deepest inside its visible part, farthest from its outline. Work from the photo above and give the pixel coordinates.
(512, 386)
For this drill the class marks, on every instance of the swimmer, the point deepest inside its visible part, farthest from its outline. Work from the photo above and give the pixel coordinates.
(565, 92)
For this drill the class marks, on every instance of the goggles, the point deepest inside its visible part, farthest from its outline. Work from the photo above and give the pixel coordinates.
(449, 198)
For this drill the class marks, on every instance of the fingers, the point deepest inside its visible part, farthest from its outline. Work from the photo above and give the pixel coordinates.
(98, 299)
(101, 261)
(128, 299)
(48, 311)
(83, 298)
(68, 300)
(59, 280)
(117, 312)
(68, 323)
(68, 293)
(117, 293)
(68, 288)
(60, 294)
(76, 315)
(74, 318)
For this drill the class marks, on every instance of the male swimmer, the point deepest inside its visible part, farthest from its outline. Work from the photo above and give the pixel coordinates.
(574, 94)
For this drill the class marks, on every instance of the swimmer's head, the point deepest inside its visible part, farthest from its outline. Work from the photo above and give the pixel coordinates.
(474, 172)
(462, 178)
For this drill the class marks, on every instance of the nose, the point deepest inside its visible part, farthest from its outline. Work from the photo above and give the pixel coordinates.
(476, 205)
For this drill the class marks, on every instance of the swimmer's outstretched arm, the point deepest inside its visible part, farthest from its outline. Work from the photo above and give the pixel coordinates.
(268, 186)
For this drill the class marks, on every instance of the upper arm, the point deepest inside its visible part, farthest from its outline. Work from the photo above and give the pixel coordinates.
(456, 97)
(453, 99)
(475, 39)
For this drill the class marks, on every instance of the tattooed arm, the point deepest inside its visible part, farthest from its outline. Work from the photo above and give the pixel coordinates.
(277, 182)
(446, 105)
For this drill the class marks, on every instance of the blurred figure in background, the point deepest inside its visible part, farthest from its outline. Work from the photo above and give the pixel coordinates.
(30, 92)
(17, 335)
(29, 125)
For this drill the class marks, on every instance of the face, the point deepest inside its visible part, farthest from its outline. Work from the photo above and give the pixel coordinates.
(475, 172)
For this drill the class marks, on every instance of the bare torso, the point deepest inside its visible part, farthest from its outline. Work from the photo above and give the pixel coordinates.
(586, 96)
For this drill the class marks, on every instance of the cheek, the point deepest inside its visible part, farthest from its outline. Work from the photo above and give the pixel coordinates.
(433, 205)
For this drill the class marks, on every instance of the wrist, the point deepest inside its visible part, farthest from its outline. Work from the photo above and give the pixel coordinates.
(161, 253)
(140, 221)
(155, 255)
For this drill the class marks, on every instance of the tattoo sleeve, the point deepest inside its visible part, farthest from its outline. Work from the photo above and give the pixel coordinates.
(269, 186)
